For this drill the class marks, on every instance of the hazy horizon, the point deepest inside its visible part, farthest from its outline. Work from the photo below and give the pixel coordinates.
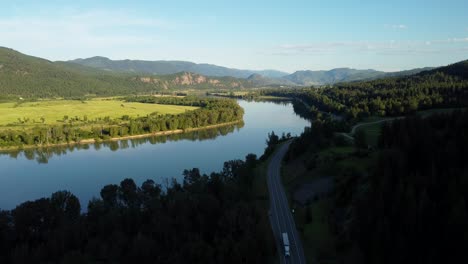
(290, 36)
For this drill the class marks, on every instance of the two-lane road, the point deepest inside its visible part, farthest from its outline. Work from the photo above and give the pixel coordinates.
(281, 218)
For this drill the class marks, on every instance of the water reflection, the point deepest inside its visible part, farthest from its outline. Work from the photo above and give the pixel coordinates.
(85, 169)
(42, 155)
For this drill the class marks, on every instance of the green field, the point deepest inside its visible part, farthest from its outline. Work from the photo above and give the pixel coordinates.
(372, 131)
(53, 111)
(427, 113)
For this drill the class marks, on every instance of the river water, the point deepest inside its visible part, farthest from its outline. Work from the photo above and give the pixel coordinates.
(84, 170)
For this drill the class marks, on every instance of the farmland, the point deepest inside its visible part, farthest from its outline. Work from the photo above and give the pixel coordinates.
(55, 111)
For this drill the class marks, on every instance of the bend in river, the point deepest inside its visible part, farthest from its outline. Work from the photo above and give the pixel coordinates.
(85, 169)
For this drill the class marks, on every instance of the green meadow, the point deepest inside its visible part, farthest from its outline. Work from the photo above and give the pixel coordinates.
(54, 111)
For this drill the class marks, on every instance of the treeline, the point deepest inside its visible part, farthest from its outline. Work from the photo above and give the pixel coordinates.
(205, 219)
(42, 155)
(416, 208)
(439, 88)
(211, 112)
(172, 100)
(405, 201)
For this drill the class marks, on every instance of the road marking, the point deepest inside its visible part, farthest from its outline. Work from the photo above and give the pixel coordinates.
(277, 207)
(280, 207)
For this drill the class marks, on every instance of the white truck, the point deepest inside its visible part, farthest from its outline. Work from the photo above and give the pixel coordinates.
(286, 244)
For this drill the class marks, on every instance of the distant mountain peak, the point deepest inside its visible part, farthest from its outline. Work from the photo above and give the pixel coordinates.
(95, 58)
(28, 76)
(161, 67)
(258, 77)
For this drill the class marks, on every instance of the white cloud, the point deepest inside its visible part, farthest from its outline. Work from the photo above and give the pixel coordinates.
(451, 40)
(396, 26)
(83, 32)
(377, 47)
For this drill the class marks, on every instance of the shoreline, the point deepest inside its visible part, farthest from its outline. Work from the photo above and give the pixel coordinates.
(92, 140)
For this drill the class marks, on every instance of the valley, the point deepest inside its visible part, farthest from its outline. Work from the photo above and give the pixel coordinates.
(233, 132)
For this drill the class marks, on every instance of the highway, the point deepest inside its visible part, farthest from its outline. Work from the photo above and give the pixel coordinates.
(281, 218)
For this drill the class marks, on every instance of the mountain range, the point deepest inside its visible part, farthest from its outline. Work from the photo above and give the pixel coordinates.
(258, 78)
(171, 67)
(27, 76)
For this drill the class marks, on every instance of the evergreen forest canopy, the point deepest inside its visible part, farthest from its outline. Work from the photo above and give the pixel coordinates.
(204, 219)
(403, 202)
(416, 208)
(439, 88)
(211, 112)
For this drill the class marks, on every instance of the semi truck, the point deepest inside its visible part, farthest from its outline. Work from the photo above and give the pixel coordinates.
(286, 244)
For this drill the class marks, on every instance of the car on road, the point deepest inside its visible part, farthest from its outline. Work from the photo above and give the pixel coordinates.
(286, 244)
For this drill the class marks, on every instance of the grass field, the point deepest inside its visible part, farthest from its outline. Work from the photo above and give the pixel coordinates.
(427, 113)
(55, 110)
(372, 131)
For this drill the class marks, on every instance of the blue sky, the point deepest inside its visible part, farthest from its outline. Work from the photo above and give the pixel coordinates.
(284, 35)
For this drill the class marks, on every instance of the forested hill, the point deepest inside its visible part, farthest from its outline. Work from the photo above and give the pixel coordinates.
(259, 78)
(441, 87)
(415, 208)
(332, 76)
(457, 70)
(170, 67)
(26, 76)
(339, 75)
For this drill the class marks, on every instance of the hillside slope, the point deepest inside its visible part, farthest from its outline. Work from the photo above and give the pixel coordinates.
(170, 67)
(331, 76)
(27, 76)
(259, 78)
(444, 87)
(339, 75)
(458, 70)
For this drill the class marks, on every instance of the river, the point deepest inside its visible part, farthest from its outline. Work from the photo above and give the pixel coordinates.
(84, 170)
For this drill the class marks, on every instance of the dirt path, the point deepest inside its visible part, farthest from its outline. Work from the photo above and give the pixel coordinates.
(353, 129)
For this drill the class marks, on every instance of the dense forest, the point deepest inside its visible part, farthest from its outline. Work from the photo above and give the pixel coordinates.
(204, 219)
(211, 112)
(403, 202)
(416, 208)
(438, 88)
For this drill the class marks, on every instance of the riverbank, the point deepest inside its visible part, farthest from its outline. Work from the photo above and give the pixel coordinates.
(92, 140)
